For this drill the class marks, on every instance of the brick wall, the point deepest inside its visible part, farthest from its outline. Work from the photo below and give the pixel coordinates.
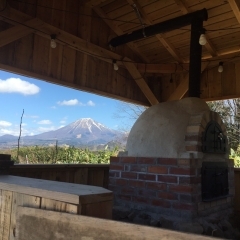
(162, 185)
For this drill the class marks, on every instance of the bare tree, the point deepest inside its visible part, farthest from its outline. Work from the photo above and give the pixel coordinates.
(128, 113)
(20, 133)
(229, 110)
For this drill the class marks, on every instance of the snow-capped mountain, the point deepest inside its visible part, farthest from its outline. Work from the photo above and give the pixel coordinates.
(83, 132)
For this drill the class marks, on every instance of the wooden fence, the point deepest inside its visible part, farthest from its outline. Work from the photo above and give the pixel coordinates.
(89, 174)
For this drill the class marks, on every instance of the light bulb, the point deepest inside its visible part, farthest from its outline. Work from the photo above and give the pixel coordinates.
(202, 39)
(53, 43)
(115, 66)
(220, 67)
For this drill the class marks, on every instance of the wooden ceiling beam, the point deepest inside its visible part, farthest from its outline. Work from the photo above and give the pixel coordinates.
(94, 3)
(131, 67)
(209, 46)
(182, 6)
(79, 44)
(235, 9)
(162, 68)
(14, 33)
(45, 30)
(119, 32)
(23, 72)
(223, 53)
(169, 47)
(182, 88)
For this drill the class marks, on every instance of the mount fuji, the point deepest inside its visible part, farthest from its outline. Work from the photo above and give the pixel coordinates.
(83, 132)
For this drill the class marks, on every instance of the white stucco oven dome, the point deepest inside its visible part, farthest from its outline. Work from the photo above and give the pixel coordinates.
(160, 131)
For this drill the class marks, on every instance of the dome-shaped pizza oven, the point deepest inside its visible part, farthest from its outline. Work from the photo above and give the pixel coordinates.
(161, 130)
(176, 162)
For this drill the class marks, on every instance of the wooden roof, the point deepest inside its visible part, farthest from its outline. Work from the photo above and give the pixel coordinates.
(151, 70)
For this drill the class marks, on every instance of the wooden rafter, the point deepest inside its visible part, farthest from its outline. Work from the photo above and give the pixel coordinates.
(94, 3)
(224, 52)
(45, 30)
(235, 9)
(79, 44)
(89, 48)
(14, 33)
(131, 67)
(162, 68)
(182, 6)
(170, 48)
(118, 31)
(209, 46)
(21, 71)
(143, 68)
(182, 88)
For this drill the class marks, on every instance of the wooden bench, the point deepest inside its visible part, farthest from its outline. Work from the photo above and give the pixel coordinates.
(49, 195)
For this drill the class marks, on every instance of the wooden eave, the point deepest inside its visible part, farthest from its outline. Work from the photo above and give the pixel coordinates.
(83, 59)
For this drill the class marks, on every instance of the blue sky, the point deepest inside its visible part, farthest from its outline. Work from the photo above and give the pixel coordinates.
(49, 106)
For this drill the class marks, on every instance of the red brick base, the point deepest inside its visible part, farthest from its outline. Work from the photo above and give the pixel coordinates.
(161, 185)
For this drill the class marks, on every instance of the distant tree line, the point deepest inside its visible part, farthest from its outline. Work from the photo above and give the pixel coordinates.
(229, 111)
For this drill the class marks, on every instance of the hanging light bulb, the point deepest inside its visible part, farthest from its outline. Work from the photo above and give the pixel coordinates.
(220, 67)
(202, 38)
(115, 66)
(53, 43)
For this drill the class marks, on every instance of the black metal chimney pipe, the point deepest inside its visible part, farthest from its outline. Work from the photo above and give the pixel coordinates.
(166, 26)
(195, 59)
(196, 20)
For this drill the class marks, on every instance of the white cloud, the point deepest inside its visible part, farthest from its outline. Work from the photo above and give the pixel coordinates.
(16, 85)
(45, 122)
(63, 121)
(74, 102)
(14, 130)
(91, 103)
(7, 131)
(5, 124)
(45, 129)
(71, 102)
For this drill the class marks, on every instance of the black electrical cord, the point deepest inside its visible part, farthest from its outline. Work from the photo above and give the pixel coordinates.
(72, 12)
(98, 56)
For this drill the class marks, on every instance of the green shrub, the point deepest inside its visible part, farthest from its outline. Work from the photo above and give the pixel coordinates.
(61, 155)
(236, 157)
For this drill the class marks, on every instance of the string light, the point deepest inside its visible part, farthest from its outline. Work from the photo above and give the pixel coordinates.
(220, 67)
(202, 38)
(53, 43)
(115, 66)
